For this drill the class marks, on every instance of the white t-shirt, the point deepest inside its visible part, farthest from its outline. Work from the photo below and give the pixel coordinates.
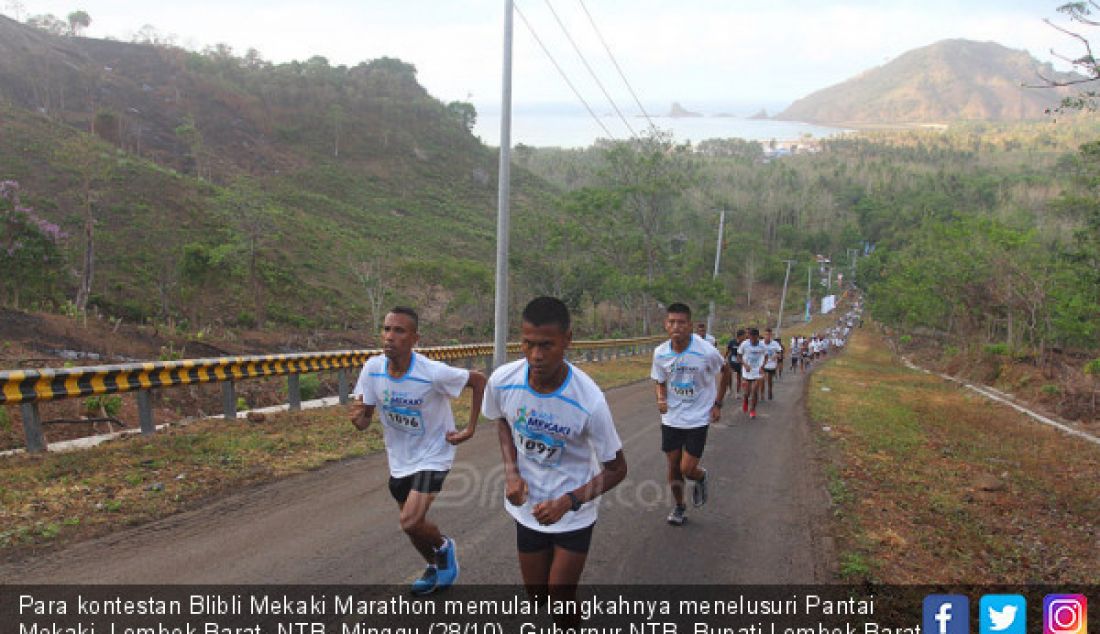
(561, 439)
(691, 378)
(771, 354)
(415, 411)
(752, 358)
(711, 340)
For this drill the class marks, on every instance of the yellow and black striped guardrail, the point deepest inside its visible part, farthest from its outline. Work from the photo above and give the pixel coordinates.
(30, 387)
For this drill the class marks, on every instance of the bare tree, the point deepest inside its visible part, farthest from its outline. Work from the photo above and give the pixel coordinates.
(1086, 64)
(372, 277)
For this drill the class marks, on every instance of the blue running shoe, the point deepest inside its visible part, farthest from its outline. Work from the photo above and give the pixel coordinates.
(426, 583)
(446, 563)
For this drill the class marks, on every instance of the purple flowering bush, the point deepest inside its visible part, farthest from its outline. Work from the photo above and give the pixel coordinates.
(30, 250)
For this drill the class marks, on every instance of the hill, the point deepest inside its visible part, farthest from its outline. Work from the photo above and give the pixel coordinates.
(951, 80)
(227, 188)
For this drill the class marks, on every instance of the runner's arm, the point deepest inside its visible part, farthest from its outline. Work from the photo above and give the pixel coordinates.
(613, 472)
(361, 415)
(662, 397)
(476, 383)
(515, 489)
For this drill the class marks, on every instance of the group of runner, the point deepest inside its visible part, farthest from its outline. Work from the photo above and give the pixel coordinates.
(755, 361)
(558, 442)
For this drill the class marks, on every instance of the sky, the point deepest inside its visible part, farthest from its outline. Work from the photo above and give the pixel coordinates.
(709, 55)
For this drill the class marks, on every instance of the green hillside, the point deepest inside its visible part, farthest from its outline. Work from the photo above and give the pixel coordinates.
(227, 189)
(951, 80)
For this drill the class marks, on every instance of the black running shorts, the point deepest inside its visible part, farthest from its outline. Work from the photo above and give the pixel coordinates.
(690, 440)
(421, 481)
(529, 540)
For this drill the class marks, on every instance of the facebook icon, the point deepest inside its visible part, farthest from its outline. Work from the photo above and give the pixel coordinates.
(946, 614)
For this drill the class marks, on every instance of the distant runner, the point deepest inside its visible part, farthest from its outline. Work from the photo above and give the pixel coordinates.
(753, 353)
(772, 358)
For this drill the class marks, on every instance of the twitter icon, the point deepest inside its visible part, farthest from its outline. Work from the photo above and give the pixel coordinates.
(1002, 614)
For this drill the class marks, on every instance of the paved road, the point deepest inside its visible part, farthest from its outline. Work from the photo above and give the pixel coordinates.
(765, 522)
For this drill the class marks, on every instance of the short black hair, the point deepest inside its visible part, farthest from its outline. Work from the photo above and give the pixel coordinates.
(405, 310)
(679, 309)
(755, 332)
(543, 311)
(740, 332)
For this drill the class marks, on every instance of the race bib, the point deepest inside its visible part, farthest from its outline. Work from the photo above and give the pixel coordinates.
(410, 421)
(684, 390)
(541, 449)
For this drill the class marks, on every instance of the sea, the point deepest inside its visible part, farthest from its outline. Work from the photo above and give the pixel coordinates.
(544, 127)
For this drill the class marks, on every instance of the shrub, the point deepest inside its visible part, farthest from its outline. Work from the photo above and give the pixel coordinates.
(310, 386)
(110, 405)
(5, 419)
(996, 349)
(1051, 390)
(905, 340)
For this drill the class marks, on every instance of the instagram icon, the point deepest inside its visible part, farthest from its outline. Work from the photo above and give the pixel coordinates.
(1065, 614)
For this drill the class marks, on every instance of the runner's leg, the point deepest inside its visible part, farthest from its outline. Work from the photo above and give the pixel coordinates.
(425, 535)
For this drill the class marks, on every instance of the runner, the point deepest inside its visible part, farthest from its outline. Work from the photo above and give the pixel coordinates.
(701, 330)
(560, 451)
(779, 356)
(796, 350)
(418, 428)
(753, 352)
(772, 359)
(689, 399)
(734, 358)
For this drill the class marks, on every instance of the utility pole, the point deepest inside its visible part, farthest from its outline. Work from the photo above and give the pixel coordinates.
(717, 259)
(504, 174)
(809, 294)
(783, 298)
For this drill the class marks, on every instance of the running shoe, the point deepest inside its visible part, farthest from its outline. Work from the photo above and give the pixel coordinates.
(676, 517)
(446, 561)
(744, 406)
(752, 414)
(699, 491)
(426, 583)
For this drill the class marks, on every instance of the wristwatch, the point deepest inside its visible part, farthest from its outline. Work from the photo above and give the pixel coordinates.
(574, 503)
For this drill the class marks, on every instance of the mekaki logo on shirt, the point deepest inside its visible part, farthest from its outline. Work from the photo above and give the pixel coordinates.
(536, 421)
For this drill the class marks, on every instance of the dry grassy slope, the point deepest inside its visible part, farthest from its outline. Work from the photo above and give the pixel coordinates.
(405, 170)
(947, 81)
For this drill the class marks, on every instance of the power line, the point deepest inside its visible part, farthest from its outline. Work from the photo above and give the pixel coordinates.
(616, 63)
(589, 67)
(562, 73)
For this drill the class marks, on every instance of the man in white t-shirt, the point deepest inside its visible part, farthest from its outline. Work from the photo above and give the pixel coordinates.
(560, 448)
(753, 353)
(691, 380)
(773, 359)
(701, 330)
(413, 394)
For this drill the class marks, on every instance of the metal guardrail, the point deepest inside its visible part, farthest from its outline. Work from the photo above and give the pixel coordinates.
(28, 388)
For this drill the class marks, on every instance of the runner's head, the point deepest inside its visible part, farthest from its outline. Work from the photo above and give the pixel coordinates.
(678, 324)
(754, 335)
(767, 334)
(740, 335)
(400, 332)
(701, 329)
(545, 335)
